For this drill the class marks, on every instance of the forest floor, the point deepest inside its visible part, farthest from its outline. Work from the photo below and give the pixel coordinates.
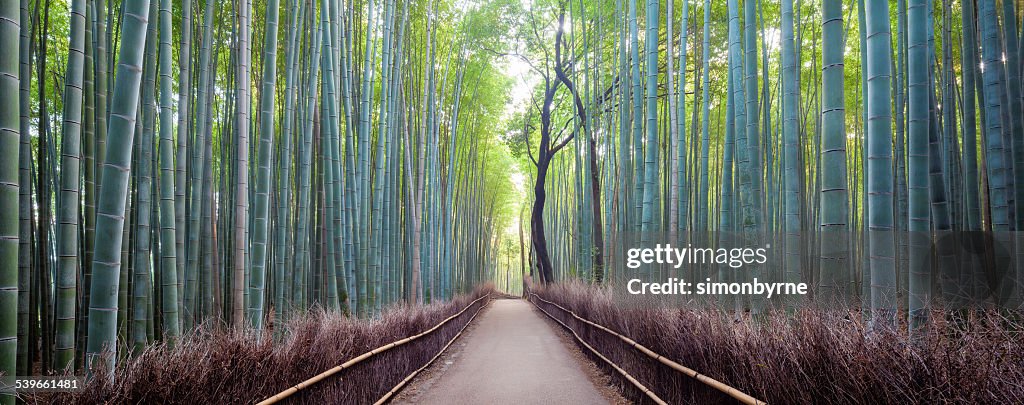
(512, 355)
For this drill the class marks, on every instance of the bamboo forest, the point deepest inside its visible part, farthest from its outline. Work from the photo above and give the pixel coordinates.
(309, 201)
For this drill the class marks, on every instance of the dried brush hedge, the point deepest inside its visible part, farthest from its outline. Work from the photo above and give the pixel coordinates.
(222, 367)
(811, 356)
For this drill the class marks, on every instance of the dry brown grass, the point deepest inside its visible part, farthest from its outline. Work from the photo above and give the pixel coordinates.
(811, 356)
(222, 367)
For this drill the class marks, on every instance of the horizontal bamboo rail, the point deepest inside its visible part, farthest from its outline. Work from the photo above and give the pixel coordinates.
(650, 394)
(402, 383)
(320, 377)
(718, 385)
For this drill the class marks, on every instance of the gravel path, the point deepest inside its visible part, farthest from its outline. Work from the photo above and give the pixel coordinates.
(510, 356)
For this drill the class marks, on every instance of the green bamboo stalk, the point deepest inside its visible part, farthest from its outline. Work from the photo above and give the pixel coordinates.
(101, 36)
(169, 269)
(637, 131)
(333, 198)
(10, 127)
(879, 163)
(128, 235)
(996, 133)
(305, 156)
(261, 220)
(993, 91)
(379, 176)
(206, 306)
(363, 168)
(346, 68)
(756, 200)
(703, 211)
(865, 209)
(651, 149)
(142, 283)
(102, 343)
(950, 160)
(675, 165)
(413, 213)
(727, 201)
(625, 174)
(24, 363)
(969, 66)
(199, 167)
(741, 152)
(67, 217)
(46, 153)
(918, 82)
(1015, 105)
(241, 198)
(446, 266)
(683, 189)
(88, 144)
(902, 190)
(835, 278)
(181, 159)
(790, 138)
(283, 226)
